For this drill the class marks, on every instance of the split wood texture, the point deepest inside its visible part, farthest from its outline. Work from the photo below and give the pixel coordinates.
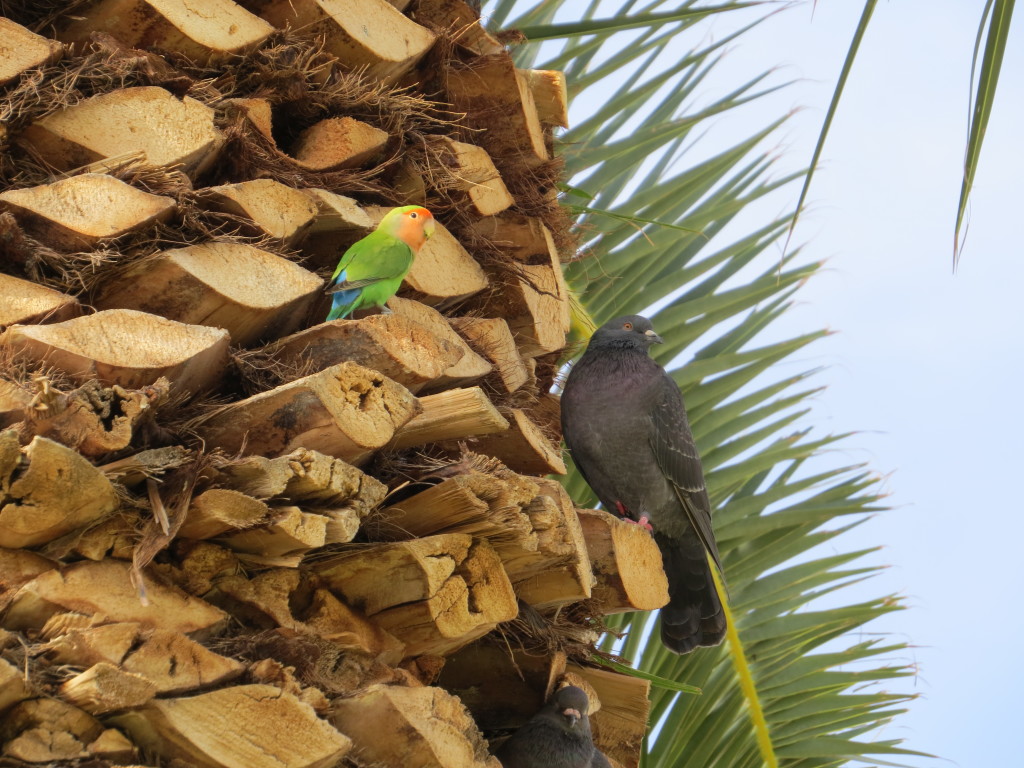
(234, 534)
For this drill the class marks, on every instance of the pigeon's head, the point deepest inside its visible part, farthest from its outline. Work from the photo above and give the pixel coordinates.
(630, 331)
(571, 705)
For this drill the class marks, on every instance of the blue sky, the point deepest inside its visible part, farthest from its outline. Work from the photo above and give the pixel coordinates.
(926, 365)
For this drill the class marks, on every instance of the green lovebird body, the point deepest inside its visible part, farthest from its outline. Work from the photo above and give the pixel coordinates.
(372, 269)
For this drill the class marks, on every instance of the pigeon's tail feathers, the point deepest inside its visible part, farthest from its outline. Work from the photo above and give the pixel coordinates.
(343, 303)
(694, 616)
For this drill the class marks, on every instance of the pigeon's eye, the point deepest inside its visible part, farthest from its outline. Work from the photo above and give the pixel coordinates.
(627, 326)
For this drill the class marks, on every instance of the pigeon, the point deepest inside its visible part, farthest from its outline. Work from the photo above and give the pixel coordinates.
(625, 426)
(371, 271)
(558, 736)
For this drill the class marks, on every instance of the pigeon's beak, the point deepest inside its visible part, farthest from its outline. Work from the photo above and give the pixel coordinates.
(655, 338)
(572, 715)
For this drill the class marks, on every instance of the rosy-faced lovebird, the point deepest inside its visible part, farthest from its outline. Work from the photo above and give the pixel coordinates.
(558, 736)
(372, 269)
(624, 424)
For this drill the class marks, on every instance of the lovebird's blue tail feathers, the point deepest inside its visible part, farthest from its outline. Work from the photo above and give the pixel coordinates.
(343, 303)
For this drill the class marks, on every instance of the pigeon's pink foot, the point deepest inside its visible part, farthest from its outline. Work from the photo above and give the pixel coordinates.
(643, 522)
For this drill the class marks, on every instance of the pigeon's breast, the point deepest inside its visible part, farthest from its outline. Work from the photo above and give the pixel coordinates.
(607, 427)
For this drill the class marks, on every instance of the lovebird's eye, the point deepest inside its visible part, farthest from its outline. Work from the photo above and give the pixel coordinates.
(413, 215)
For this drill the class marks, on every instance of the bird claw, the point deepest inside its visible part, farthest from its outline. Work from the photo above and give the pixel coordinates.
(386, 310)
(643, 522)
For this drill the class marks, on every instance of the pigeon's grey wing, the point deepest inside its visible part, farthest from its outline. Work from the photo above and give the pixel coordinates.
(677, 457)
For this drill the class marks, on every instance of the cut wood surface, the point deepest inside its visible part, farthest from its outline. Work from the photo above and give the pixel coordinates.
(523, 447)
(339, 222)
(77, 212)
(346, 411)
(246, 726)
(470, 603)
(398, 347)
(457, 18)
(275, 209)
(220, 510)
(267, 600)
(170, 131)
(626, 562)
(126, 347)
(103, 590)
(41, 730)
(620, 725)
(289, 531)
(199, 564)
(549, 95)
(114, 746)
(15, 403)
(425, 726)
(444, 272)
(374, 577)
(473, 172)
(498, 102)
(315, 538)
(337, 143)
(93, 419)
(471, 367)
(259, 112)
(337, 213)
(23, 50)
(116, 536)
(18, 566)
(218, 28)
(176, 664)
(370, 34)
(435, 594)
(346, 628)
(453, 414)
(249, 292)
(523, 238)
(22, 301)
(305, 475)
(481, 505)
(492, 338)
(557, 570)
(13, 687)
(105, 688)
(54, 491)
(535, 301)
(172, 662)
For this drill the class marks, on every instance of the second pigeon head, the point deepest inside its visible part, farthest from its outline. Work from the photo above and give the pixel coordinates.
(572, 705)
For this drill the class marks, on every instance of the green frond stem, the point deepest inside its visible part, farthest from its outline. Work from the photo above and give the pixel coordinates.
(746, 680)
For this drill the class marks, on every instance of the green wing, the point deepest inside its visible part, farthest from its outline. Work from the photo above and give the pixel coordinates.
(378, 256)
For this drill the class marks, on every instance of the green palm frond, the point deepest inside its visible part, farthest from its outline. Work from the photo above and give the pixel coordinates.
(792, 686)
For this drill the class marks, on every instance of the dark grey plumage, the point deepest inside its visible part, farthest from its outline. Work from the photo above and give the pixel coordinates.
(625, 425)
(558, 736)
